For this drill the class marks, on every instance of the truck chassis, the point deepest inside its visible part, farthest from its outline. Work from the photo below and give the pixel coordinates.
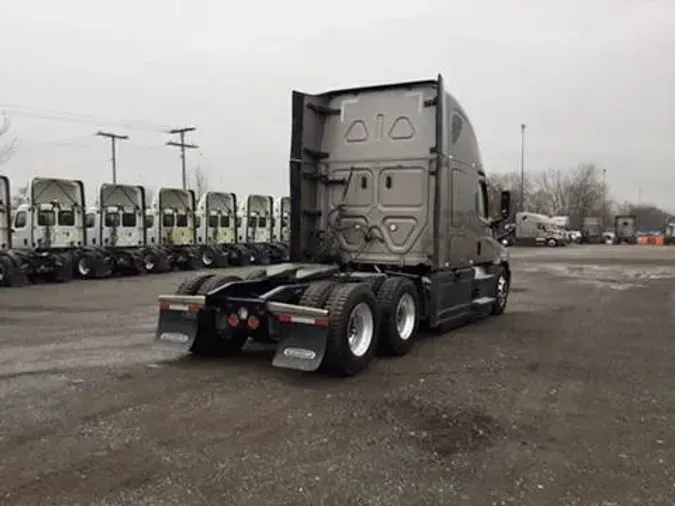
(320, 316)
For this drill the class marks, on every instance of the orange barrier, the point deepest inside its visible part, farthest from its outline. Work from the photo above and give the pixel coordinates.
(651, 240)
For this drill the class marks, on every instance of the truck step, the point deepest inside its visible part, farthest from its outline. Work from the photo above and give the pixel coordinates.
(481, 301)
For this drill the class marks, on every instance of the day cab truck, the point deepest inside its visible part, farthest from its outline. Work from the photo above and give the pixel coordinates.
(47, 232)
(390, 228)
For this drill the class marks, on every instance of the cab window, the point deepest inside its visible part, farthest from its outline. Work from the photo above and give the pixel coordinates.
(112, 219)
(225, 221)
(262, 222)
(46, 218)
(251, 222)
(482, 206)
(20, 219)
(167, 219)
(182, 220)
(90, 220)
(128, 219)
(213, 221)
(66, 218)
(149, 220)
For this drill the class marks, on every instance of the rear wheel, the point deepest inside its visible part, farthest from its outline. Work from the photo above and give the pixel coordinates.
(150, 262)
(317, 293)
(215, 282)
(5, 271)
(190, 286)
(85, 266)
(399, 316)
(352, 329)
(208, 257)
(552, 243)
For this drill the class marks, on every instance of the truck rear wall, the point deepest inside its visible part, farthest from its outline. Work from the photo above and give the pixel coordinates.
(381, 142)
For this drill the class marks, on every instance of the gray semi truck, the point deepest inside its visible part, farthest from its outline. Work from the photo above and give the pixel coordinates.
(391, 228)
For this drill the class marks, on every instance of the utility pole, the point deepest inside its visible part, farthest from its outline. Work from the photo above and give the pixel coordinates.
(113, 144)
(605, 211)
(183, 146)
(522, 167)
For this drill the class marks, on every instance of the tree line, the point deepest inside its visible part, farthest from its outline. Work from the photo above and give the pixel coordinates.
(578, 192)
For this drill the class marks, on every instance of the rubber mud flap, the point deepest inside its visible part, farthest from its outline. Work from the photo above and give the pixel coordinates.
(302, 347)
(177, 329)
(102, 269)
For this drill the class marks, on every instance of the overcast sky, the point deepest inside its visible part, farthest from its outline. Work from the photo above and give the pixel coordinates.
(594, 80)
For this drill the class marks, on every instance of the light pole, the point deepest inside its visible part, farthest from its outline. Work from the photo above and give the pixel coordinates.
(522, 167)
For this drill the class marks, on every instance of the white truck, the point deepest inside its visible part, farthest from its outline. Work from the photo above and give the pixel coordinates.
(47, 234)
(217, 231)
(171, 231)
(282, 220)
(257, 227)
(534, 229)
(115, 232)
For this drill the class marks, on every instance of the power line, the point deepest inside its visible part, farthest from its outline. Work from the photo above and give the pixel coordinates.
(70, 117)
(113, 140)
(183, 146)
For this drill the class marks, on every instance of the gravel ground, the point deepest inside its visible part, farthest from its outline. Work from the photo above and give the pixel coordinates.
(566, 399)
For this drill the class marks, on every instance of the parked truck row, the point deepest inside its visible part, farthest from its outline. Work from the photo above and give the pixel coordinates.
(53, 236)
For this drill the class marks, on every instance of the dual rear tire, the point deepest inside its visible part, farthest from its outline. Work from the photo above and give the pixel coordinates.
(363, 321)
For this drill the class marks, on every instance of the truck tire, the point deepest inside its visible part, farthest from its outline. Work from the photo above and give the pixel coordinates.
(6, 268)
(85, 265)
(398, 302)
(551, 243)
(352, 329)
(151, 262)
(190, 286)
(501, 291)
(215, 282)
(317, 293)
(208, 257)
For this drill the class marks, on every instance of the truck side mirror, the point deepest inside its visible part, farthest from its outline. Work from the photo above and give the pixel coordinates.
(505, 204)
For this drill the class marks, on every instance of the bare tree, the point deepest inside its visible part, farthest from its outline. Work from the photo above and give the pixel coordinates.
(198, 182)
(577, 193)
(8, 148)
(20, 196)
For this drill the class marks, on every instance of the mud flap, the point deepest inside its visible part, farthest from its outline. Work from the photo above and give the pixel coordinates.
(12, 273)
(100, 266)
(163, 262)
(177, 328)
(301, 347)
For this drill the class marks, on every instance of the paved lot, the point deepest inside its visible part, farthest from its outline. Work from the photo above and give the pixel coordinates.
(567, 399)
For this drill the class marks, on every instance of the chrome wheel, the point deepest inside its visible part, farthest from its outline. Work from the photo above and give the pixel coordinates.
(360, 329)
(149, 262)
(502, 290)
(83, 266)
(207, 258)
(406, 315)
